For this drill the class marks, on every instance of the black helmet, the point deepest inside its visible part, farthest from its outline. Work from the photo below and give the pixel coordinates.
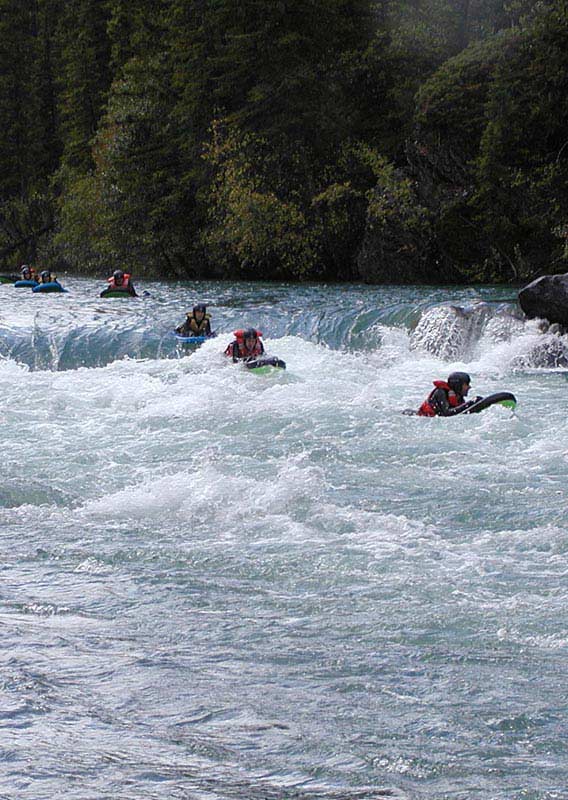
(26, 269)
(250, 333)
(118, 274)
(200, 307)
(45, 275)
(456, 381)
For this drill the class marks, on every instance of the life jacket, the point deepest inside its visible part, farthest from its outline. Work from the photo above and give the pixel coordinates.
(427, 410)
(119, 287)
(242, 352)
(198, 328)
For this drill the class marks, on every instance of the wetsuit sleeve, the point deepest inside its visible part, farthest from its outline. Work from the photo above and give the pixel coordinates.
(208, 329)
(261, 347)
(132, 290)
(441, 405)
(235, 351)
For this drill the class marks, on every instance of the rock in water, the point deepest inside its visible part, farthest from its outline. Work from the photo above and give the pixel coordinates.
(546, 298)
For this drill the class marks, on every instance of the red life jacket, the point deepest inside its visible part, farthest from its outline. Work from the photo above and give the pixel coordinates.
(112, 284)
(242, 352)
(426, 410)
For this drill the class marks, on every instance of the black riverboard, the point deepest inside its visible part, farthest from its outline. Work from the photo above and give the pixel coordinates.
(499, 398)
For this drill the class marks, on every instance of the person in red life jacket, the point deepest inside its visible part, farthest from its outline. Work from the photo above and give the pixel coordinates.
(448, 397)
(197, 322)
(247, 345)
(119, 282)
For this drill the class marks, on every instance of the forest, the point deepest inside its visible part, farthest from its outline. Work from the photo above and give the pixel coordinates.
(381, 141)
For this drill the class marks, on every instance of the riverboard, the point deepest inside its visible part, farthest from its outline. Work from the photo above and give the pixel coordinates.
(46, 288)
(499, 398)
(192, 339)
(115, 293)
(265, 365)
(23, 283)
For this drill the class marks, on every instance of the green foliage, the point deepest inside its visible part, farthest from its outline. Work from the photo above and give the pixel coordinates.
(388, 139)
(28, 141)
(451, 106)
(252, 227)
(277, 69)
(522, 182)
(134, 29)
(133, 186)
(399, 231)
(84, 77)
(491, 124)
(25, 225)
(82, 241)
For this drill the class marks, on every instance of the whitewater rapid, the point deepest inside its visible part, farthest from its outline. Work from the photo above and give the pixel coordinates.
(222, 585)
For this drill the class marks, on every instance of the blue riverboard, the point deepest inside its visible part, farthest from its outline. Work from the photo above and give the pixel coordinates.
(22, 283)
(192, 339)
(46, 288)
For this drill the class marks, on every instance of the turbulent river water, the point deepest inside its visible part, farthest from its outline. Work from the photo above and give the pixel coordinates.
(225, 586)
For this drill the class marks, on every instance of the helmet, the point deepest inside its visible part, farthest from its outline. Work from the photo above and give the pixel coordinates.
(200, 307)
(26, 269)
(118, 274)
(45, 275)
(250, 333)
(456, 381)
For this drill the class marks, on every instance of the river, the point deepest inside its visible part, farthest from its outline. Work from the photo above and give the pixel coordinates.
(223, 586)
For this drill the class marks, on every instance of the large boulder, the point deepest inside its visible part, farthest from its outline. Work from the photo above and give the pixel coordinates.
(546, 298)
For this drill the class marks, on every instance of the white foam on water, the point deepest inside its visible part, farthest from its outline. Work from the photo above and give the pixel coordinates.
(348, 595)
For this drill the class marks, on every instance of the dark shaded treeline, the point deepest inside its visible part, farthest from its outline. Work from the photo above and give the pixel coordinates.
(394, 141)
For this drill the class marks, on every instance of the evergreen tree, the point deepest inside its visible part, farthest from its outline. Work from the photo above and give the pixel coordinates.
(522, 193)
(278, 69)
(29, 141)
(289, 84)
(124, 209)
(85, 77)
(19, 100)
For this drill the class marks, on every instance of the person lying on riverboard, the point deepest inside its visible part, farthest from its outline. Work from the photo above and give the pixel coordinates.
(247, 345)
(448, 397)
(45, 276)
(118, 283)
(197, 322)
(27, 273)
